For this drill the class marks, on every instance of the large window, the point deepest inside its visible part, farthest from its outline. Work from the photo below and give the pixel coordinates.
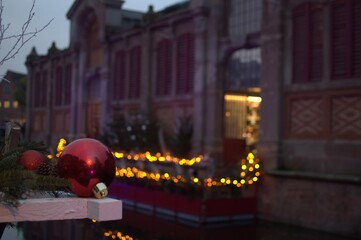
(308, 49)
(67, 84)
(346, 38)
(310, 40)
(95, 51)
(185, 64)
(135, 71)
(119, 75)
(40, 89)
(59, 86)
(164, 68)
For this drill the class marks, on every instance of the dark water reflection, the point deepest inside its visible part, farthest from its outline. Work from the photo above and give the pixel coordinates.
(143, 227)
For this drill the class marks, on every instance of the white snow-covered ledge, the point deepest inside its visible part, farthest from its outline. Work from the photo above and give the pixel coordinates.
(44, 209)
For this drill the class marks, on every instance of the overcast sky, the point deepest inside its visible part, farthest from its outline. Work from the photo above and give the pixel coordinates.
(15, 12)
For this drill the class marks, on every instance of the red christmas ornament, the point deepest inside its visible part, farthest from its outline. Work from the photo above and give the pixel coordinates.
(88, 165)
(31, 159)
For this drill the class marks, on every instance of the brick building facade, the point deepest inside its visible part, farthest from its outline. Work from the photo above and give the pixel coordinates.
(173, 64)
(310, 117)
(203, 59)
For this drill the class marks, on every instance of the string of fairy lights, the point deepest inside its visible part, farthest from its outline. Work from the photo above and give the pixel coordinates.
(249, 169)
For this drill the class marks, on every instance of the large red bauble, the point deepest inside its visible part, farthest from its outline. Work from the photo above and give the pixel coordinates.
(31, 159)
(84, 163)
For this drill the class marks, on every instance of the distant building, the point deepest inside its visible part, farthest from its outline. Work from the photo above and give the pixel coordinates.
(10, 108)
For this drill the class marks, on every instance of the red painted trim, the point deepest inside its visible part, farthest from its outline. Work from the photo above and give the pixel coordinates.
(164, 68)
(349, 35)
(135, 73)
(308, 42)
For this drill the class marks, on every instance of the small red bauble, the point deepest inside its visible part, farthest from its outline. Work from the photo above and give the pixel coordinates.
(85, 163)
(31, 159)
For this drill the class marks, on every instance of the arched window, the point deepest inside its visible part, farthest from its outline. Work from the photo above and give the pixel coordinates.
(95, 53)
(244, 69)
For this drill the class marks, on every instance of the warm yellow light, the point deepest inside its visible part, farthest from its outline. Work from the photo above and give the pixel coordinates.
(243, 181)
(166, 175)
(196, 180)
(235, 98)
(223, 180)
(250, 156)
(244, 167)
(255, 179)
(257, 174)
(250, 169)
(235, 182)
(93, 220)
(228, 181)
(254, 99)
(251, 161)
(6, 104)
(250, 181)
(243, 174)
(256, 166)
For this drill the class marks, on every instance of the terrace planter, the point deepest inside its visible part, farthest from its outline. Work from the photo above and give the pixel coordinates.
(180, 208)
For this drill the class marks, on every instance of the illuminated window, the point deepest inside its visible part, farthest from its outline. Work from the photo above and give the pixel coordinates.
(242, 117)
(6, 104)
(15, 104)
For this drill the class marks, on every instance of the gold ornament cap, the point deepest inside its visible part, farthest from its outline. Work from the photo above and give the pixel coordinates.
(100, 190)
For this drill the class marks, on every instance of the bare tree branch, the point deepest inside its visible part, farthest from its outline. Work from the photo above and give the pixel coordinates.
(21, 38)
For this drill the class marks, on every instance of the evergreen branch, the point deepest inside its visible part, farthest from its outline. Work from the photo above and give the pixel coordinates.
(9, 160)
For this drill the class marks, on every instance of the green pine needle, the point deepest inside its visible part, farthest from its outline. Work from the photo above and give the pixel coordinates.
(16, 182)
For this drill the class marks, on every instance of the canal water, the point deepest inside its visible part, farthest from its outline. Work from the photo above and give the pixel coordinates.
(145, 227)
